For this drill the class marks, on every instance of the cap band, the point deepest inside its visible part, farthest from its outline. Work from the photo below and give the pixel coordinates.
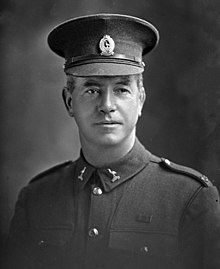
(93, 58)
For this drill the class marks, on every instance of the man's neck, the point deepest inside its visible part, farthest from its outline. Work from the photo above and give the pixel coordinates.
(100, 156)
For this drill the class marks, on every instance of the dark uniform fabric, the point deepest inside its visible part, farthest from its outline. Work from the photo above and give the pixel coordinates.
(140, 212)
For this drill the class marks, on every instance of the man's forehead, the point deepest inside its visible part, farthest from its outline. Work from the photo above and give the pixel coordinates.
(128, 79)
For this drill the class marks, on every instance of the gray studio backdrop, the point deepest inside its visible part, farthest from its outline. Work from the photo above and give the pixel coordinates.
(181, 116)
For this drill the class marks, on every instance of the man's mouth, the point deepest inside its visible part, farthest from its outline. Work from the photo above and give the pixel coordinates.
(108, 123)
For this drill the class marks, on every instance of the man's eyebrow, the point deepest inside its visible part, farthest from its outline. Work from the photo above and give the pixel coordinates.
(124, 80)
(91, 82)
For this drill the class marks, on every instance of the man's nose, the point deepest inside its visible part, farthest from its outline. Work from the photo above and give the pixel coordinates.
(107, 102)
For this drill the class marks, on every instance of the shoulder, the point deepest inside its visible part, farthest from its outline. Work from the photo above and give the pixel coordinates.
(174, 168)
(50, 171)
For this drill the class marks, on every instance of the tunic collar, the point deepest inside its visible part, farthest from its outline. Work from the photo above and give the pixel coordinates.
(117, 172)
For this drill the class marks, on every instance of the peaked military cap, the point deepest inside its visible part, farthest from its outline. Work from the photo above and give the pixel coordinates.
(103, 44)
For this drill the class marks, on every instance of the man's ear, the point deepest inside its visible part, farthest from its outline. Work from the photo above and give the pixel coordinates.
(142, 98)
(142, 95)
(68, 101)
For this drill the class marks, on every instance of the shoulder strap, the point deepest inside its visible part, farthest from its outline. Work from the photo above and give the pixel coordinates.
(50, 170)
(182, 170)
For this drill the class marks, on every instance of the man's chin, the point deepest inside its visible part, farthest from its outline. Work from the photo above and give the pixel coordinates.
(108, 142)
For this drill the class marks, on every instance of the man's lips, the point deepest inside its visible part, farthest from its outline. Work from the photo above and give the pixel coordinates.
(108, 123)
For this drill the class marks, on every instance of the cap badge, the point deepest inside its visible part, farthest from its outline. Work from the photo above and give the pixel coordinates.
(107, 45)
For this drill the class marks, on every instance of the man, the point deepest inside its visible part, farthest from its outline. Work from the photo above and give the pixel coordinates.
(117, 205)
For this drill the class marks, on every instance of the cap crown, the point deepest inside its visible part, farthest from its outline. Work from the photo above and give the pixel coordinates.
(103, 44)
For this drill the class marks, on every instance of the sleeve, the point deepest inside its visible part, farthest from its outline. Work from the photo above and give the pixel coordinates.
(16, 246)
(200, 230)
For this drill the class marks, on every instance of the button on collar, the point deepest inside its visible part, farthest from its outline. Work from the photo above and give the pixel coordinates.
(97, 191)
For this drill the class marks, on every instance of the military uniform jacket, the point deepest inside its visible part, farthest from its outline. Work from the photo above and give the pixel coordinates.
(140, 212)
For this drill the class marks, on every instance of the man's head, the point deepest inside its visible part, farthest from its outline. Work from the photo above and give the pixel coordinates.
(103, 63)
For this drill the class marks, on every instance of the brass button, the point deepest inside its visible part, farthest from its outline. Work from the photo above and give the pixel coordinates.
(97, 191)
(167, 162)
(144, 249)
(204, 178)
(93, 232)
(41, 242)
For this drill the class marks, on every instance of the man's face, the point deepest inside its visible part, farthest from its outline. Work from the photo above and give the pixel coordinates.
(106, 109)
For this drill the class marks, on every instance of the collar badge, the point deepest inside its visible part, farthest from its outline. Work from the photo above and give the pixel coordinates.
(114, 174)
(80, 177)
(107, 45)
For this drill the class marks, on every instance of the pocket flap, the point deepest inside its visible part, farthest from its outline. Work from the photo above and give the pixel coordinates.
(152, 243)
(51, 236)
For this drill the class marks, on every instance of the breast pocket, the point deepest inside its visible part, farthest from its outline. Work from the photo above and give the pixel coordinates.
(145, 243)
(48, 247)
(51, 236)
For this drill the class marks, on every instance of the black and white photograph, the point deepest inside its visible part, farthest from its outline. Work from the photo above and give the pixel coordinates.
(110, 134)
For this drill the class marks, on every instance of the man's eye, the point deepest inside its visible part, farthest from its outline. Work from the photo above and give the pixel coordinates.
(122, 91)
(92, 91)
